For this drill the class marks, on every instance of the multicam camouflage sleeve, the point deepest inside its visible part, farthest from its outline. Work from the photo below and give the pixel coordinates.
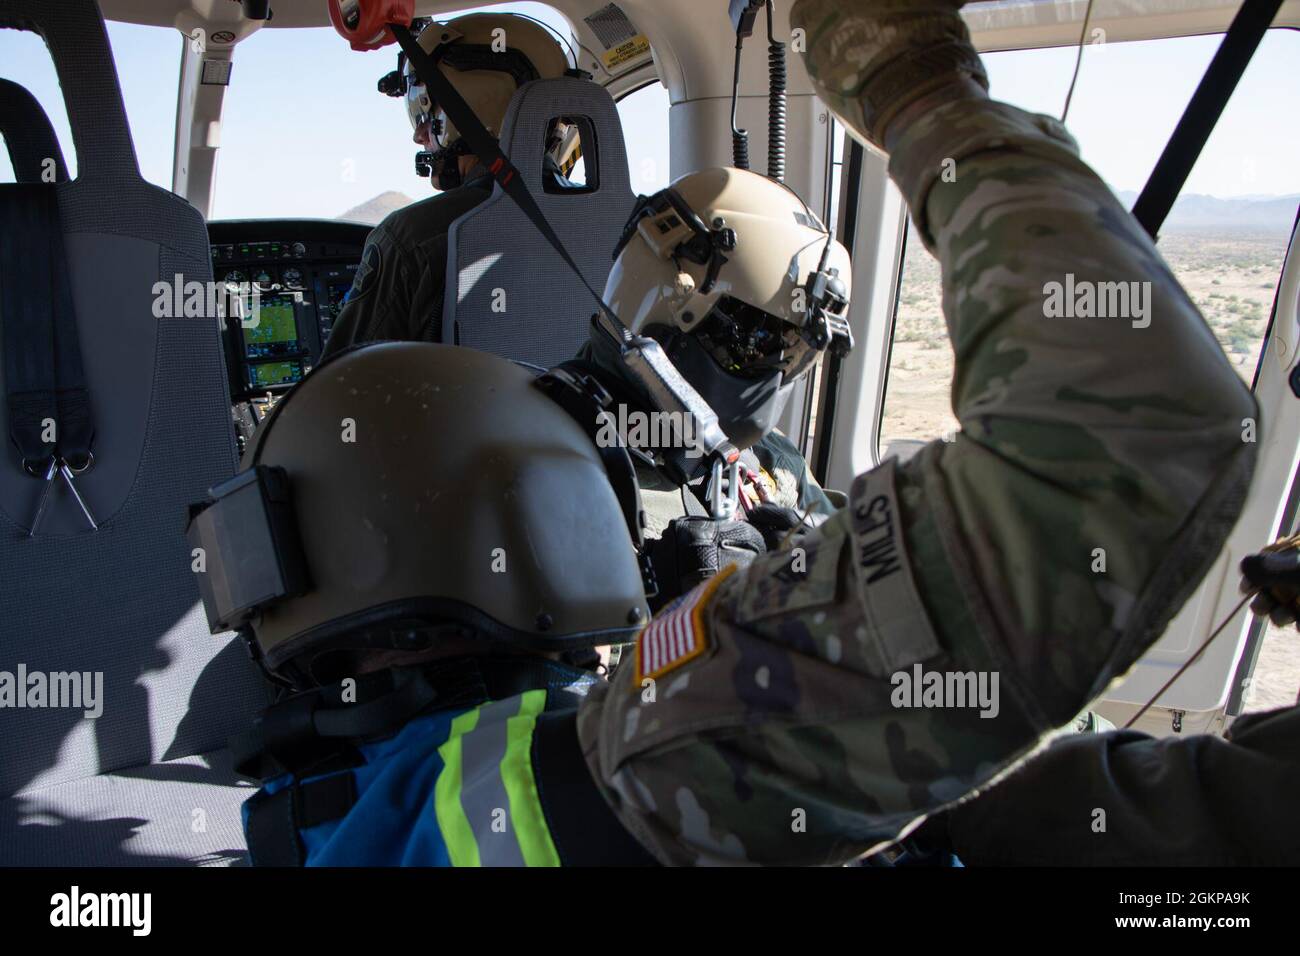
(964, 605)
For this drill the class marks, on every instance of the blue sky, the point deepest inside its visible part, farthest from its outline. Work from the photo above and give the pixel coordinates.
(306, 134)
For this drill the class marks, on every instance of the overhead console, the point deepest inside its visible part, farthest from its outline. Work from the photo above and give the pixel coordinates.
(300, 270)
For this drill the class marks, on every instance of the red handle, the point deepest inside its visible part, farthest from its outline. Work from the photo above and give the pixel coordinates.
(373, 16)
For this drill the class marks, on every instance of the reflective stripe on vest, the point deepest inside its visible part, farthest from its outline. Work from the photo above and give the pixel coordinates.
(486, 796)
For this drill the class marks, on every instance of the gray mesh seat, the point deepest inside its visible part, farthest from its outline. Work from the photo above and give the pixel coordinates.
(507, 291)
(145, 781)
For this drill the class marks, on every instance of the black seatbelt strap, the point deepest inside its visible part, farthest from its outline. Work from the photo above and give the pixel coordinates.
(488, 149)
(1203, 111)
(44, 380)
(299, 732)
(275, 820)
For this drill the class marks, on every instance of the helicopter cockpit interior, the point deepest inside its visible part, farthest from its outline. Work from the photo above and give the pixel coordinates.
(221, 164)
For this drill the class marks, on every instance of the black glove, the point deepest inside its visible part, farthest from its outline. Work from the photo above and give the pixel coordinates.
(1276, 571)
(776, 523)
(694, 549)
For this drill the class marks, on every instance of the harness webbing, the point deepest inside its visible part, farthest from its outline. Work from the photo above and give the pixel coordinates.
(44, 379)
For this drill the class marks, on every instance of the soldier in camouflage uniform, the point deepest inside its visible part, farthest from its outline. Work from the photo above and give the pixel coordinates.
(777, 737)
(766, 717)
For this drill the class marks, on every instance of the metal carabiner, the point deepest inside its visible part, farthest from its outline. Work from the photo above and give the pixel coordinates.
(67, 472)
(58, 467)
(44, 500)
(724, 508)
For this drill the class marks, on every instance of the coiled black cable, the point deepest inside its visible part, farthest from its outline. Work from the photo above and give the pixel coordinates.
(740, 148)
(739, 137)
(776, 107)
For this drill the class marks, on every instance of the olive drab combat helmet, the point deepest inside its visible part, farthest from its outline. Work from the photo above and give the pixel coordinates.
(407, 492)
(740, 283)
(486, 57)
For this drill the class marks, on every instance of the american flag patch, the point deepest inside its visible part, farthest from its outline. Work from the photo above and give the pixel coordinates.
(677, 634)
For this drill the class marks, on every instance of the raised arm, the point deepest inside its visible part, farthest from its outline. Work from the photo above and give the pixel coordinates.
(934, 632)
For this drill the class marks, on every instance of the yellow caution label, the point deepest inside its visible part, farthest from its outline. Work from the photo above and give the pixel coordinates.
(626, 51)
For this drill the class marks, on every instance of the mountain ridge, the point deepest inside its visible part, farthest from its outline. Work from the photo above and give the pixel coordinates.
(374, 209)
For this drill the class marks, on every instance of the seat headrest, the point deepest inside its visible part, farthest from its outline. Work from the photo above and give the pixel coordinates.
(28, 134)
(535, 104)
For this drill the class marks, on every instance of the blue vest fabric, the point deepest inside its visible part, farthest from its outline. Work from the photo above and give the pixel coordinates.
(488, 782)
(392, 822)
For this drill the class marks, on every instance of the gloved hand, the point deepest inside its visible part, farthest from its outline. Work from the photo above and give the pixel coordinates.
(870, 61)
(1276, 570)
(775, 524)
(694, 549)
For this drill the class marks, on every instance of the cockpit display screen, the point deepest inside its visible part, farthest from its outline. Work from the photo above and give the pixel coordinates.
(276, 330)
(267, 374)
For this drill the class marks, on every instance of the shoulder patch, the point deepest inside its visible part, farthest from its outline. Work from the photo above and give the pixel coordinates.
(678, 633)
(367, 272)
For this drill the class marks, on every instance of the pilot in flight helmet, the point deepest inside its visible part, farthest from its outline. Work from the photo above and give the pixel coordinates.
(740, 283)
(411, 497)
(486, 57)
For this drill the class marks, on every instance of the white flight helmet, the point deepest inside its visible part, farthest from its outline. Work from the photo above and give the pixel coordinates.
(740, 283)
(486, 57)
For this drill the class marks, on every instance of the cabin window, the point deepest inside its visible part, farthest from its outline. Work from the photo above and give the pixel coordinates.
(570, 163)
(148, 61)
(141, 55)
(306, 134)
(1225, 238)
(644, 114)
(836, 185)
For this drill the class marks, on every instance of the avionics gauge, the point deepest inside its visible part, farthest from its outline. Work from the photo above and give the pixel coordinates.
(292, 278)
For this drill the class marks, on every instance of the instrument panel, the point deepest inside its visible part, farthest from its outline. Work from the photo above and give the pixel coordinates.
(288, 279)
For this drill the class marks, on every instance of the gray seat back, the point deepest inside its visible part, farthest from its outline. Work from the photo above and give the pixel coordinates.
(120, 602)
(29, 137)
(508, 292)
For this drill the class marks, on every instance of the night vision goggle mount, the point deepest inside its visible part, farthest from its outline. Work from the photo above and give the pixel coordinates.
(246, 537)
(674, 230)
(462, 56)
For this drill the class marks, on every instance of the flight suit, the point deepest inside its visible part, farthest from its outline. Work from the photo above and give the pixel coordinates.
(398, 289)
(774, 715)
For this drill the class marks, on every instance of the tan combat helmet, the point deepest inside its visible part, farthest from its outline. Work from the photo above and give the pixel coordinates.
(486, 57)
(407, 493)
(742, 285)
